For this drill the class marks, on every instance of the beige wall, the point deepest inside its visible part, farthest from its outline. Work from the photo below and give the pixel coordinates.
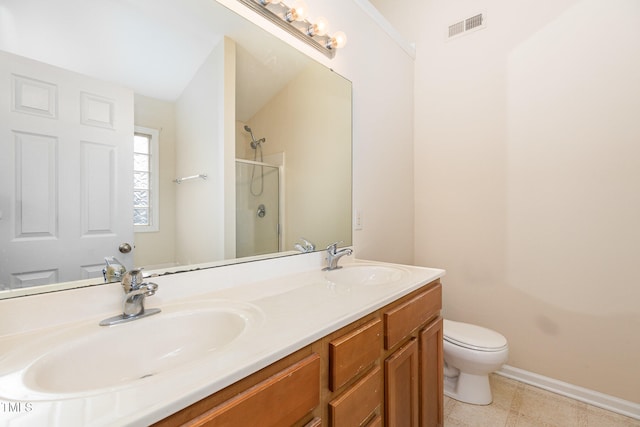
(158, 248)
(200, 203)
(309, 123)
(527, 160)
(383, 84)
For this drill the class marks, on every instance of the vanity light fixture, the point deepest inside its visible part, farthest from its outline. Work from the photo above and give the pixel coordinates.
(297, 12)
(294, 20)
(318, 28)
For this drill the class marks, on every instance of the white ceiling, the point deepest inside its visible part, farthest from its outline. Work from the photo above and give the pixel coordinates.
(152, 46)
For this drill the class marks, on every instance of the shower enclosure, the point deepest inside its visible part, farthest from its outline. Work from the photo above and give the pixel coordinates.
(257, 208)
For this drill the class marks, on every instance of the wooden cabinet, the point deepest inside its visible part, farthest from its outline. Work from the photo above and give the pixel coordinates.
(316, 422)
(406, 317)
(375, 422)
(414, 372)
(355, 377)
(431, 375)
(279, 400)
(354, 352)
(383, 369)
(356, 404)
(401, 386)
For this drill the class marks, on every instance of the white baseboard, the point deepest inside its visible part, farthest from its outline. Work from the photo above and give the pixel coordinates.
(595, 398)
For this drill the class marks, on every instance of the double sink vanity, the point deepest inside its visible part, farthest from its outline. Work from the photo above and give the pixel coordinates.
(271, 343)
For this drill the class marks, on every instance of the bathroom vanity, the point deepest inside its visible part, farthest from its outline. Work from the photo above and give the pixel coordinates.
(361, 345)
(386, 365)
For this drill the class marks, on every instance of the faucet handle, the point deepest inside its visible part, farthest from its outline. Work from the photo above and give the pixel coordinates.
(334, 246)
(131, 280)
(114, 269)
(305, 247)
(308, 245)
(151, 288)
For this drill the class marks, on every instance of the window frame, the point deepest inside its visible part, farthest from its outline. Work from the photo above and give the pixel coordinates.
(154, 180)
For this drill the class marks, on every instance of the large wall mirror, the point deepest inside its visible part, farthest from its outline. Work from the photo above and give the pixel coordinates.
(164, 134)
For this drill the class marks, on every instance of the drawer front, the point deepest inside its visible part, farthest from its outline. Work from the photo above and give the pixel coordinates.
(401, 320)
(356, 404)
(278, 401)
(353, 353)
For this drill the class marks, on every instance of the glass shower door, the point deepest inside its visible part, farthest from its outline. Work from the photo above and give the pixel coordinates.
(257, 208)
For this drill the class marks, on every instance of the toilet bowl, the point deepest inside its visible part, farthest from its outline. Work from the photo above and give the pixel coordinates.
(471, 353)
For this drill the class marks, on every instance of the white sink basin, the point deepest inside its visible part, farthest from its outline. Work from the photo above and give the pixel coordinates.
(115, 356)
(366, 274)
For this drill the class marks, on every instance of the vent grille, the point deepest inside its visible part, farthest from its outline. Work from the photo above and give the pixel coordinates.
(456, 28)
(473, 23)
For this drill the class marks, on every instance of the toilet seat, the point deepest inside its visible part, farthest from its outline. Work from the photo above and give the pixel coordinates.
(473, 337)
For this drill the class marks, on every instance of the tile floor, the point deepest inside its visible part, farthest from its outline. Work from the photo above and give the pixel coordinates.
(516, 404)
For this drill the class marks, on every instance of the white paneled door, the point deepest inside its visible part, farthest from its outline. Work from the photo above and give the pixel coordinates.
(66, 154)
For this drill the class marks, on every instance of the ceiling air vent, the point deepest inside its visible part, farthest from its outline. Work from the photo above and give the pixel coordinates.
(474, 23)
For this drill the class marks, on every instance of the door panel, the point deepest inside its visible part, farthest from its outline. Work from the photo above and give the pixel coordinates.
(432, 375)
(66, 197)
(401, 386)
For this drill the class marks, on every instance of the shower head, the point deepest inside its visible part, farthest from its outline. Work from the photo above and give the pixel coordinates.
(254, 143)
(248, 129)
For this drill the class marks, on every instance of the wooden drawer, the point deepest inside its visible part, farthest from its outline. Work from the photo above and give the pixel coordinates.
(403, 319)
(356, 404)
(353, 353)
(280, 400)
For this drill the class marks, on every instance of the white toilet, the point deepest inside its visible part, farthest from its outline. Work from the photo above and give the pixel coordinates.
(471, 353)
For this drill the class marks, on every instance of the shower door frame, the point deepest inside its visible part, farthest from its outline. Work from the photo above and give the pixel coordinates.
(281, 193)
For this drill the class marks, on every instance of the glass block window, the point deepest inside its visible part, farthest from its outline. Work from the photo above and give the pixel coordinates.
(145, 187)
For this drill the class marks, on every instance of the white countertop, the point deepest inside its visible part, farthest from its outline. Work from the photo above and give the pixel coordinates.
(297, 308)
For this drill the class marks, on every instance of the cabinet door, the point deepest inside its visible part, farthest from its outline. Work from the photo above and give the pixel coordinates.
(431, 375)
(401, 386)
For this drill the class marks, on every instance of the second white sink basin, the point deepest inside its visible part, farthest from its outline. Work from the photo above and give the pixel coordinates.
(108, 357)
(366, 274)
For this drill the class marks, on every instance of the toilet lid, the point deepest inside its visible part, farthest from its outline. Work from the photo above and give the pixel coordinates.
(473, 336)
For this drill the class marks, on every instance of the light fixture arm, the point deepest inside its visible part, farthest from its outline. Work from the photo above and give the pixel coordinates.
(281, 15)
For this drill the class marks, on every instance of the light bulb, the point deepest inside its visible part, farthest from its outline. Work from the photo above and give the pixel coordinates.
(318, 28)
(337, 41)
(298, 12)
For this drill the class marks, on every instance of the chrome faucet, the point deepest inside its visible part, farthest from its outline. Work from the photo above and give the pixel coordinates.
(334, 255)
(114, 270)
(135, 292)
(305, 246)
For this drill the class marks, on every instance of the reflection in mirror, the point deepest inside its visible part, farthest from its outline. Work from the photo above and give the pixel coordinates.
(207, 93)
